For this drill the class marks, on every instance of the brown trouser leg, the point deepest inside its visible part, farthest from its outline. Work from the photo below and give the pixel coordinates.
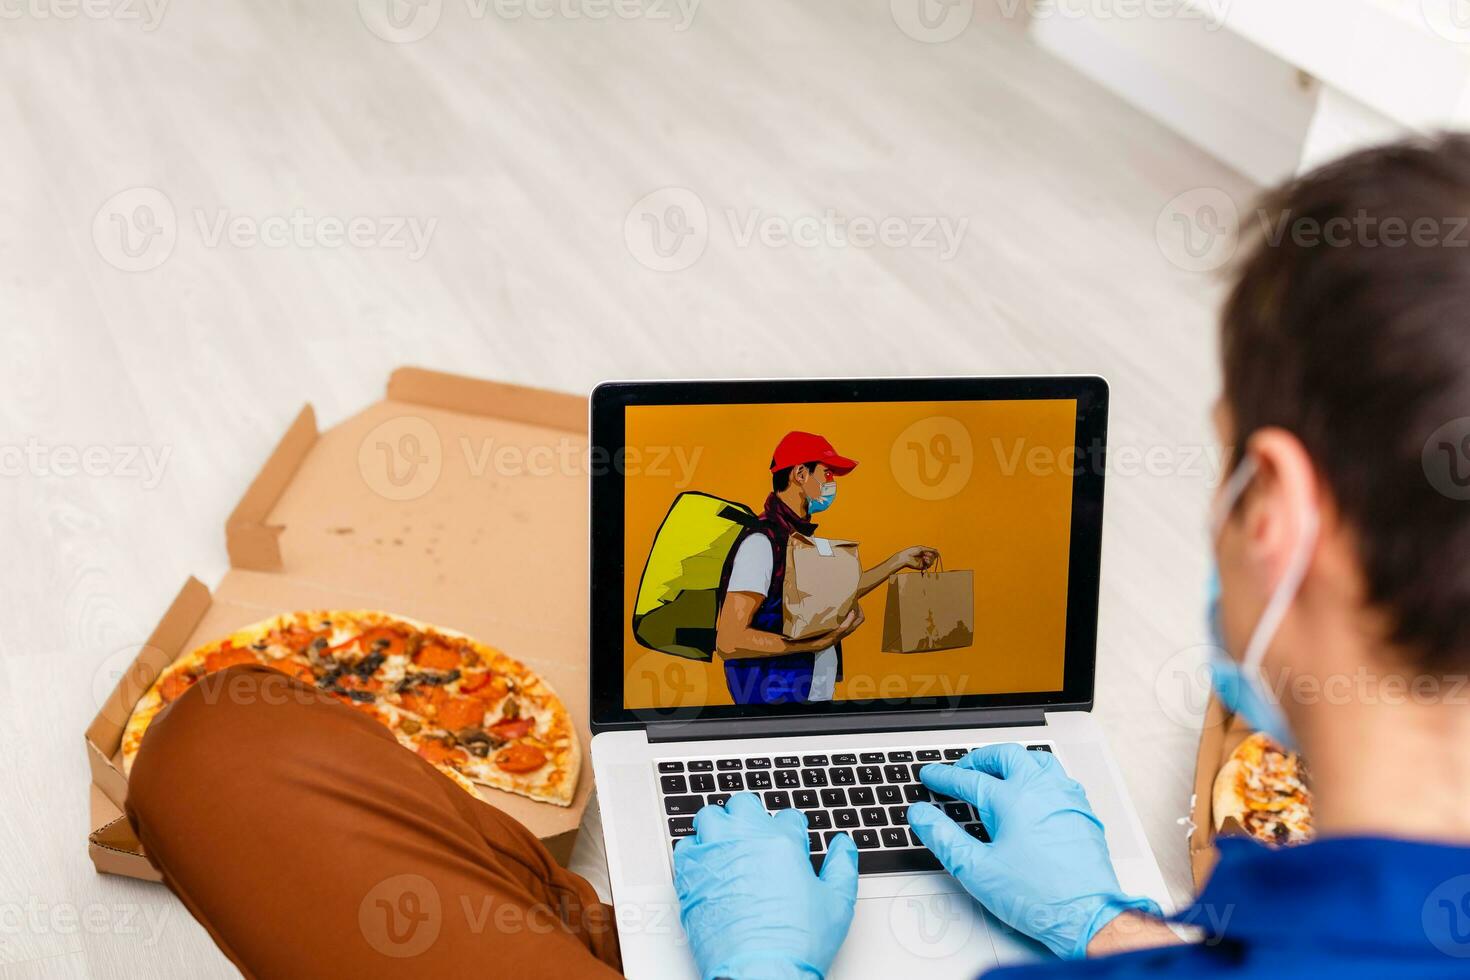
(311, 844)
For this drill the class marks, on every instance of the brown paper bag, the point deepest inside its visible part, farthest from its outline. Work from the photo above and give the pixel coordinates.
(821, 584)
(929, 611)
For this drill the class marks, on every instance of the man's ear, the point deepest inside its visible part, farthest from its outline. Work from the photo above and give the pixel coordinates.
(1283, 493)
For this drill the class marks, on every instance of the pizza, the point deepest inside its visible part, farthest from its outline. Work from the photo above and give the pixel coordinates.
(1264, 787)
(478, 715)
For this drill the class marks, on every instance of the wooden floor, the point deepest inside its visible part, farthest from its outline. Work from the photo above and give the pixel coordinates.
(527, 143)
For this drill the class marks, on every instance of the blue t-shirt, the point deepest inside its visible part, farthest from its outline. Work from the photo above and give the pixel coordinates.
(1340, 908)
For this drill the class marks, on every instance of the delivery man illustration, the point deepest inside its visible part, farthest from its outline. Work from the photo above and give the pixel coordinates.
(761, 665)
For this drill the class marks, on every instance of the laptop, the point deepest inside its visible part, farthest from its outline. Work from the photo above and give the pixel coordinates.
(810, 589)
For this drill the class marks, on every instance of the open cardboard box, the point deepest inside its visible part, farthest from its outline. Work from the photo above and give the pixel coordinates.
(1221, 735)
(457, 502)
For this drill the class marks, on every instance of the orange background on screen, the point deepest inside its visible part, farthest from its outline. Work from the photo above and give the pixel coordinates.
(1010, 524)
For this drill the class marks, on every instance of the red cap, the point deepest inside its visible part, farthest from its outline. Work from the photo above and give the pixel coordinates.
(796, 448)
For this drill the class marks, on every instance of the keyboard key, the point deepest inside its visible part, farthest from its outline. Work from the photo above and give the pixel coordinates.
(874, 816)
(787, 778)
(731, 782)
(953, 754)
(805, 799)
(818, 820)
(870, 758)
(844, 819)
(757, 780)
(861, 795)
(918, 768)
(728, 765)
(813, 842)
(814, 760)
(673, 784)
(814, 777)
(844, 759)
(777, 800)
(702, 782)
(1039, 748)
(899, 815)
(903, 756)
(914, 838)
(833, 797)
(896, 774)
(958, 812)
(671, 767)
(757, 763)
(890, 794)
(894, 837)
(865, 839)
(717, 799)
(977, 831)
(701, 765)
(682, 806)
(830, 836)
(681, 826)
(869, 775)
(843, 776)
(927, 755)
(915, 793)
(787, 762)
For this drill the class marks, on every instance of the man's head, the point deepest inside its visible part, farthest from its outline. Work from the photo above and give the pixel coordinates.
(807, 462)
(1346, 348)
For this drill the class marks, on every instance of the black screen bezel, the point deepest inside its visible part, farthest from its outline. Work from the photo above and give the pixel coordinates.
(608, 403)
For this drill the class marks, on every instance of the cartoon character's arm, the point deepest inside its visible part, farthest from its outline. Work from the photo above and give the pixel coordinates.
(735, 638)
(918, 556)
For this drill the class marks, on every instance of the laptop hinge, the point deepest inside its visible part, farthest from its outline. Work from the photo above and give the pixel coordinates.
(905, 721)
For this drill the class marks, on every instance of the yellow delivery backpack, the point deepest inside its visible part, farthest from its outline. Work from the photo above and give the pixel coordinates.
(677, 602)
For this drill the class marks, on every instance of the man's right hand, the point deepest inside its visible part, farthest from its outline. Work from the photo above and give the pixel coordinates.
(821, 641)
(1047, 872)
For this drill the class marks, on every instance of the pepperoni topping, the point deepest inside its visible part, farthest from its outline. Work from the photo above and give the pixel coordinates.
(175, 684)
(436, 656)
(438, 752)
(520, 758)
(381, 639)
(457, 713)
(292, 668)
(512, 728)
(227, 656)
(422, 700)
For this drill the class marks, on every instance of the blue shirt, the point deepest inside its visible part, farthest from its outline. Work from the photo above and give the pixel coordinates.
(1341, 908)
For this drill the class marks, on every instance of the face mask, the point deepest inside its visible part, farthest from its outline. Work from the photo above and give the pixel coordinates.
(1240, 686)
(815, 505)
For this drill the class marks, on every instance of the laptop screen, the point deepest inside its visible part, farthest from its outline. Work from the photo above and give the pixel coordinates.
(832, 554)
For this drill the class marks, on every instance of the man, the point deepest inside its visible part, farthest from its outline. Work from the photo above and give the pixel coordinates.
(761, 665)
(1342, 557)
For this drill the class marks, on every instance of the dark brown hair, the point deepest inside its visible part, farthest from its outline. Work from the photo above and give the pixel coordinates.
(1358, 342)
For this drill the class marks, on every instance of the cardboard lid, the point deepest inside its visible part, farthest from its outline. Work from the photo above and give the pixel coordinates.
(458, 502)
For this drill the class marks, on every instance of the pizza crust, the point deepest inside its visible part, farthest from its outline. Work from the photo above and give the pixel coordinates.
(1262, 786)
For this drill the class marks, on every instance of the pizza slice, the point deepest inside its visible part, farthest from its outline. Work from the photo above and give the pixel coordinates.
(1264, 788)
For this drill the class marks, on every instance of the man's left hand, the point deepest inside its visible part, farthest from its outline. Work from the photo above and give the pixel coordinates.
(918, 556)
(749, 900)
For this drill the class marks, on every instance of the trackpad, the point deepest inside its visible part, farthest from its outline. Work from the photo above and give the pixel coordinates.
(942, 932)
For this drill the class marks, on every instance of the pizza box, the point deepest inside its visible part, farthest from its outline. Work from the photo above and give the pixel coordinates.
(1221, 735)
(454, 501)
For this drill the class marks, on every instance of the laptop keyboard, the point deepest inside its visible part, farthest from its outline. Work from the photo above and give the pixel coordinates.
(865, 794)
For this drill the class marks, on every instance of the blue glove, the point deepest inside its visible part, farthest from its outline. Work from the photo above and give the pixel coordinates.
(1047, 873)
(748, 898)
